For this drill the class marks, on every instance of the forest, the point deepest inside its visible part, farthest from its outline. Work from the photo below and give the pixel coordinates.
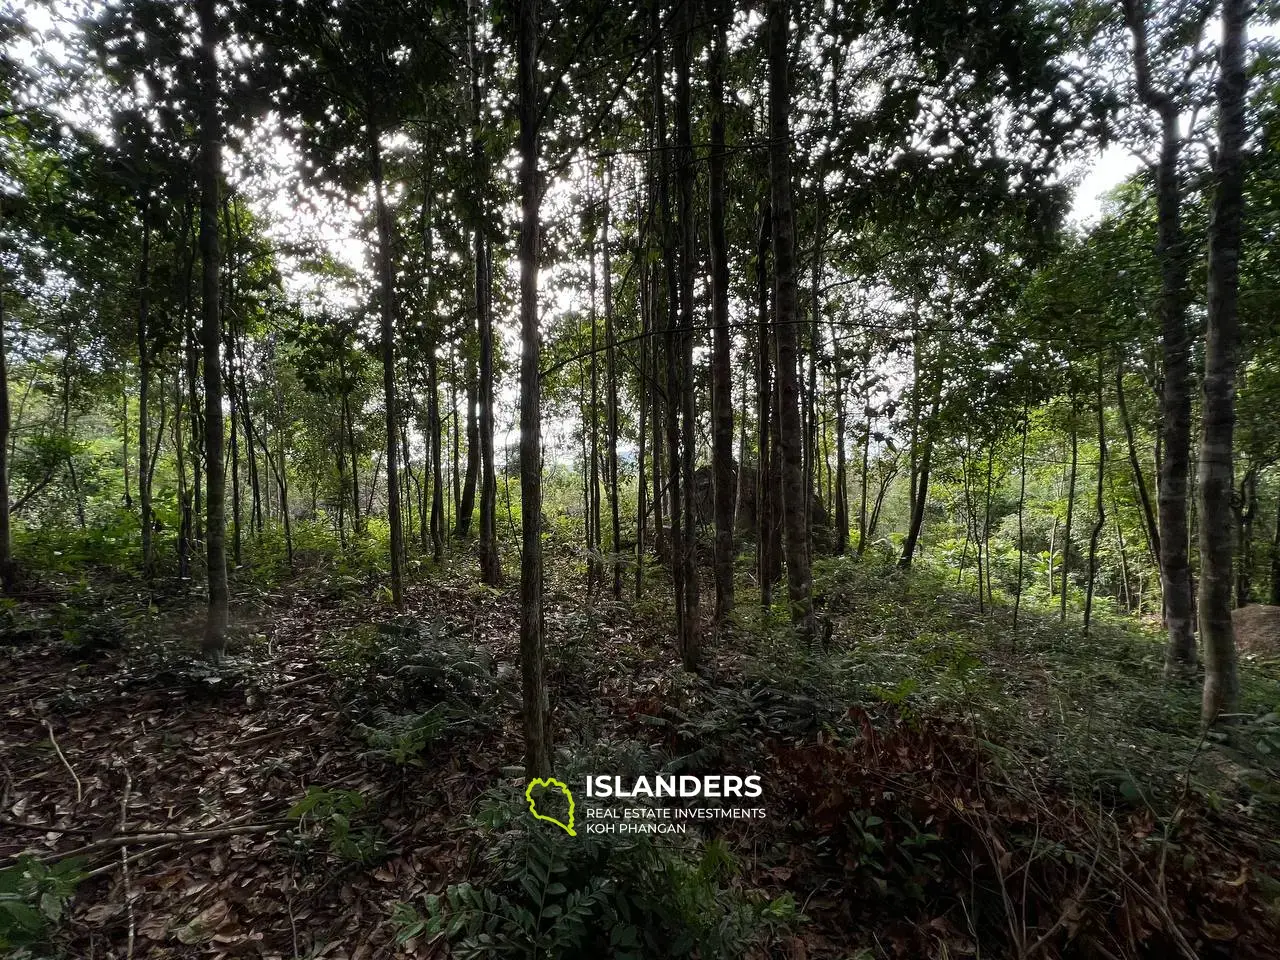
(671, 480)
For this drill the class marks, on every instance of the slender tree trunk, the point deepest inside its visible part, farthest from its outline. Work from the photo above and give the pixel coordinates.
(1071, 505)
(611, 392)
(866, 477)
(671, 405)
(124, 445)
(467, 503)
(1150, 524)
(1275, 560)
(196, 435)
(437, 465)
(210, 167)
(985, 547)
(1022, 503)
(387, 310)
(842, 466)
(537, 728)
(920, 478)
(1246, 514)
(764, 409)
(595, 541)
(799, 583)
(1221, 357)
(1100, 518)
(643, 390)
(144, 386)
(490, 562)
(6, 542)
(235, 466)
(691, 640)
(184, 494)
(1175, 342)
(674, 368)
(721, 357)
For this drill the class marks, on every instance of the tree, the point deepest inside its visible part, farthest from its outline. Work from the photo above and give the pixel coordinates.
(724, 490)
(1215, 481)
(1175, 340)
(537, 733)
(210, 171)
(786, 320)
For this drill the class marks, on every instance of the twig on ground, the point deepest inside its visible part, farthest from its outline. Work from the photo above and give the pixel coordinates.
(174, 836)
(124, 866)
(61, 756)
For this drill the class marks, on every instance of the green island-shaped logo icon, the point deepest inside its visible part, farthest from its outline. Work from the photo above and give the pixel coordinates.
(550, 784)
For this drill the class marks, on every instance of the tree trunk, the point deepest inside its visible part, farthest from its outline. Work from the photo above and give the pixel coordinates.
(643, 389)
(1022, 503)
(1101, 515)
(1139, 480)
(144, 386)
(920, 479)
(691, 640)
(1247, 512)
(611, 394)
(1275, 561)
(6, 541)
(387, 310)
(799, 584)
(842, 467)
(1221, 354)
(764, 408)
(437, 466)
(210, 166)
(467, 502)
(490, 562)
(721, 359)
(1071, 505)
(1175, 343)
(594, 539)
(537, 730)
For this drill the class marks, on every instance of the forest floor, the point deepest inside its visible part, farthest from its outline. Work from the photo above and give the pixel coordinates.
(937, 784)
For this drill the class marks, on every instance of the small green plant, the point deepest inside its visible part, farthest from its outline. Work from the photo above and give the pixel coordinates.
(33, 896)
(588, 898)
(334, 816)
(403, 739)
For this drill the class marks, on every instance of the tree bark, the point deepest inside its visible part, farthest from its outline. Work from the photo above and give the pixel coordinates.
(467, 503)
(611, 393)
(144, 386)
(6, 540)
(765, 559)
(1221, 355)
(1140, 483)
(210, 166)
(1022, 503)
(799, 583)
(1100, 518)
(490, 562)
(537, 731)
(1246, 513)
(721, 358)
(387, 327)
(691, 639)
(1175, 343)
(842, 466)
(920, 481)
(1071, 506)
